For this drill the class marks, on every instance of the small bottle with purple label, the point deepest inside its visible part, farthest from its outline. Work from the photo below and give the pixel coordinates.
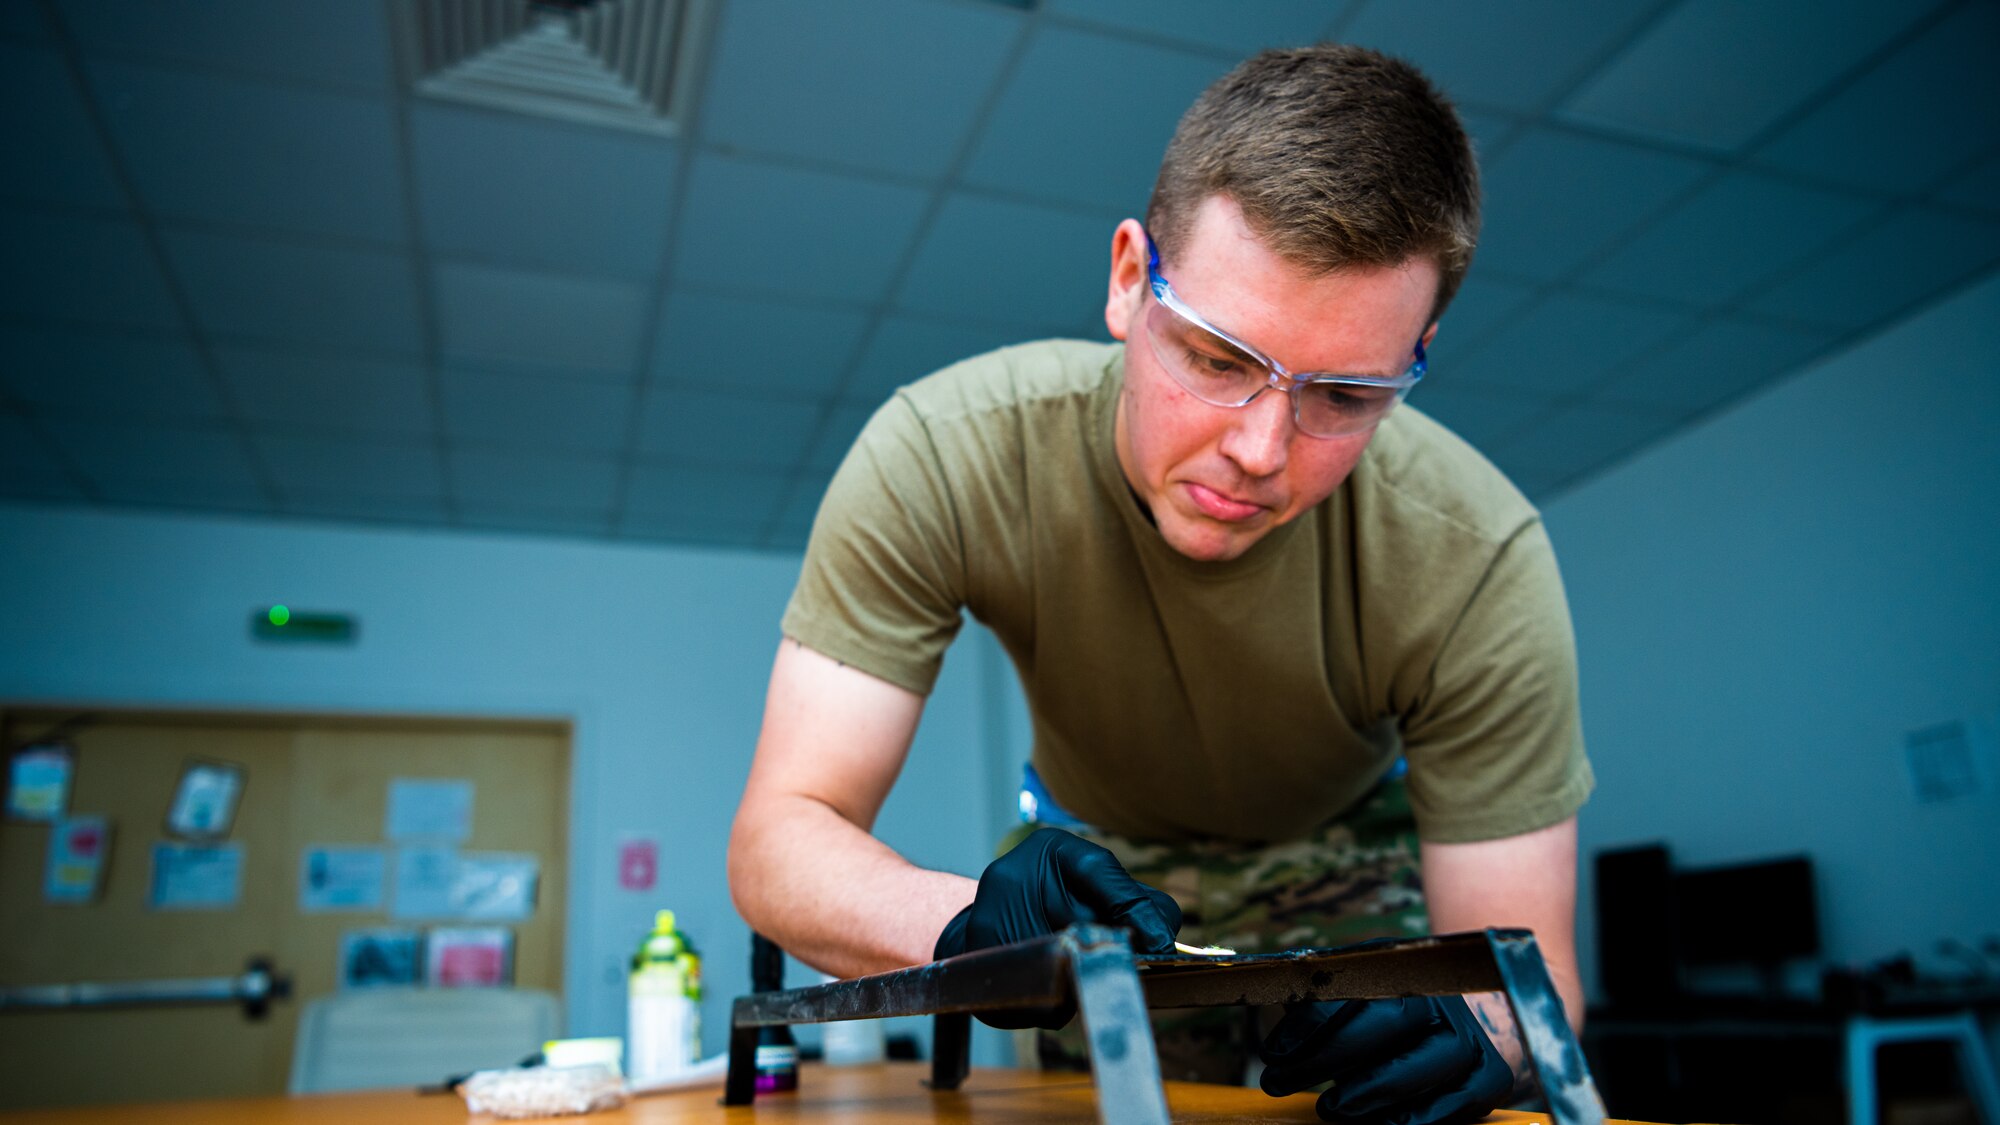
(777, 1051)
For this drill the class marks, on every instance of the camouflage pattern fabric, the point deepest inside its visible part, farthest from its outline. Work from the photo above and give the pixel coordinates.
(1356, 878)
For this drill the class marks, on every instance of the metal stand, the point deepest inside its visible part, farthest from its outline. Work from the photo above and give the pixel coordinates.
(1112, 988)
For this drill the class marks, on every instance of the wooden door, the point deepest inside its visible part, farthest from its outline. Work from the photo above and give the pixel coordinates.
(309, 781)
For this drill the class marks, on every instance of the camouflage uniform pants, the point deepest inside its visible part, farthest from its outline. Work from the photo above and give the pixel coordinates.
(1355, 878)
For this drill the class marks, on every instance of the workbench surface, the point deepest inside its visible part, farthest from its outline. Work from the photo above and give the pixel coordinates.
(886, 1094)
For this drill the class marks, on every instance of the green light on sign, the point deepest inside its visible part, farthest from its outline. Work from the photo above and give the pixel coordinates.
(291, 626)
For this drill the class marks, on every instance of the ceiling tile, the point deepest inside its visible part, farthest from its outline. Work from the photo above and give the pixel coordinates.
(157, 376)
(1735, 234)
(173, 492)
(28, 467)
(1977, 186)
(1244, 28)
(836, 435)
(125, 459)
(1555, 199)
(1885, 271)
(1567, 343)
(352, 506)
(1486, 131)
(1480, 307)
(1050, 134)
(297, 293)
(696, 427)
(69, 267)
(714, 530)
(1514, 56)
(763, 229)
(719, 342)
(1584, 437)
(906, 348)
(1481, 417)
(1013, 264)
(1541, 485)
(24, 22)
(541, 521)
(512, 189)
(1923, 111)
(530, 412)
(666, 497)
(888, 85)
(532, 480)
(352, 466)
(1720, 362)
(339, 393)
(1755, 63)
(490, 316)
(795, 517)
(345, 44)
(53, 152)
(226, 150)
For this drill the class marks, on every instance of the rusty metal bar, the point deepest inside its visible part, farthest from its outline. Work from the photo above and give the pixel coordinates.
(1093, 967)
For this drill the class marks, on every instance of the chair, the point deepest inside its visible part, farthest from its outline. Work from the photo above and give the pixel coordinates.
(1975, 1066)
(415, 1036)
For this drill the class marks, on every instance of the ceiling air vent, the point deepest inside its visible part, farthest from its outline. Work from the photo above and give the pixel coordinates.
(625, 64)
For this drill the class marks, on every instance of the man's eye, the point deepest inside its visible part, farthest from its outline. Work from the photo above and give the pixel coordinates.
(1206, 364)
(1348, 399)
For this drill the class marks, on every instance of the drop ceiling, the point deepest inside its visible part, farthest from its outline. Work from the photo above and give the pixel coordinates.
(251, 271)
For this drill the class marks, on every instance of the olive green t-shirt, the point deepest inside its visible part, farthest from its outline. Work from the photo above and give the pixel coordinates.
(1417, 610)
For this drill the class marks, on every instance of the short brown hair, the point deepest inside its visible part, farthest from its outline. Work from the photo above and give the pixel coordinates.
(1337, 155)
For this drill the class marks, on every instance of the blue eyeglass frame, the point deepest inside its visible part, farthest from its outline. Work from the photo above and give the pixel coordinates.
(1280, 378)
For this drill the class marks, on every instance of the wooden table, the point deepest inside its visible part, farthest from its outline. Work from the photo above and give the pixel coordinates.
(886, 1094)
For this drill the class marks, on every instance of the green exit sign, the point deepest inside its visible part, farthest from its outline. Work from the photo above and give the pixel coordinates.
(282, 623)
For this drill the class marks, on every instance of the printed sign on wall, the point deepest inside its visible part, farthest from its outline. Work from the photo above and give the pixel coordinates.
(79, 846)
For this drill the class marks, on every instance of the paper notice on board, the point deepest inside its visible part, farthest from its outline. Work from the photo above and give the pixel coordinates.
(429, 809)
(425, 880)
(38, 780)
(495, 886)
(78, 848)
(342, 878)
(196, 876)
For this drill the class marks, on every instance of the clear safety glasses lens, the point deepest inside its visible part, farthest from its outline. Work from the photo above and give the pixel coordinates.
(1219, 373)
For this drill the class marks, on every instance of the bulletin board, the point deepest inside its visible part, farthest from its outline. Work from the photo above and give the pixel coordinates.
(307, 781)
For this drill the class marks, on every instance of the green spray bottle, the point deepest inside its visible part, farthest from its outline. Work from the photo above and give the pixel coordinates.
(663, 1024)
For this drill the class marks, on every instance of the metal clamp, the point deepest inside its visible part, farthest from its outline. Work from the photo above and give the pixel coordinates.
(1094, 967)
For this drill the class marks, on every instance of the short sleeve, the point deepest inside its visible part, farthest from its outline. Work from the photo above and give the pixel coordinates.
(883, 579)
(1495, 746)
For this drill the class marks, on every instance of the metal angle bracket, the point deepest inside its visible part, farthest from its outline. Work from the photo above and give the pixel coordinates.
(1112, 988)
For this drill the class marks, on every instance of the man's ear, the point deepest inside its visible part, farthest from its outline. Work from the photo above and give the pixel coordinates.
(1127, 293)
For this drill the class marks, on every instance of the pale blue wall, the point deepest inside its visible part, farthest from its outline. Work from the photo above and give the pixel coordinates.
(1766, 605)
(658, 655)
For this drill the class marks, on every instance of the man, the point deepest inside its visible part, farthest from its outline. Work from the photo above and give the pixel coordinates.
(1237, 592)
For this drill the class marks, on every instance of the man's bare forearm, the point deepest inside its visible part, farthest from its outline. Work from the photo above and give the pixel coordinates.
(831, 894)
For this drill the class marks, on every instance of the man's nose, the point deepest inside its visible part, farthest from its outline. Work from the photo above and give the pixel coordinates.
(1261, 434)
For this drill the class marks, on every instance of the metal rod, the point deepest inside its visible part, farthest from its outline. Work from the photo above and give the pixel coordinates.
(1447, 965)
(1544, 1028)
(254, 989)
(1123, 1058)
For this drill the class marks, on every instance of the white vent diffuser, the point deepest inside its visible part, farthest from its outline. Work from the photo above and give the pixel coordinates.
(624, 64)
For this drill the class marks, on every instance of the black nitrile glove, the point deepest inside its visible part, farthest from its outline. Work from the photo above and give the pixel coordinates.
(1048, 881)
(1418, 1060)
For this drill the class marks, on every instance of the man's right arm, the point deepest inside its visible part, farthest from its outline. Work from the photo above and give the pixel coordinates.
(803, 867)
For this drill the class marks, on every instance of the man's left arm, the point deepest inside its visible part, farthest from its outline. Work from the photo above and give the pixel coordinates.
(1524, 882)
